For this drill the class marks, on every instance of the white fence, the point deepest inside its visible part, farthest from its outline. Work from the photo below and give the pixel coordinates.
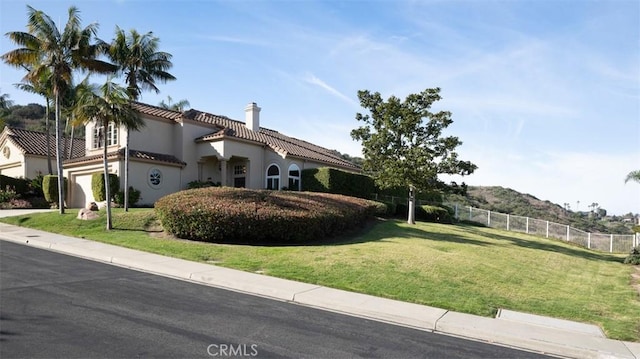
(614, 243)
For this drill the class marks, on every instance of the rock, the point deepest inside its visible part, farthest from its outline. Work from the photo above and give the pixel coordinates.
(92, 206)
(87, 214)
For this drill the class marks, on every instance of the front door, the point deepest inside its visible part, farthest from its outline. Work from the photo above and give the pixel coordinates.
(239, 182)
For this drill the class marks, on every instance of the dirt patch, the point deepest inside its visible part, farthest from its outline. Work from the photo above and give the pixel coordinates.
(635, 278)
(162, 234)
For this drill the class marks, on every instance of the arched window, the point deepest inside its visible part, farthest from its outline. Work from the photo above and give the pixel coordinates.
(273, 177)
(294, 177)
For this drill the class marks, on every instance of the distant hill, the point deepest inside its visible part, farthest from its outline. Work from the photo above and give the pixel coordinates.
(507, 200)
(32, 117)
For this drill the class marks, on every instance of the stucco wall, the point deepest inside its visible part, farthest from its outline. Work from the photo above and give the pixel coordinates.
(13, 165)
(38, 166)
(157, 136)
(139, 178)
(190, 151)
(254, 155)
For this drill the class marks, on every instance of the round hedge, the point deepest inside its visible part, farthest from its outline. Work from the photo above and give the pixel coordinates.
(224, 214)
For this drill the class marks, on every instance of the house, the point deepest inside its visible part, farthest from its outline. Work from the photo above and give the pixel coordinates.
(176, 148)
(24, 152)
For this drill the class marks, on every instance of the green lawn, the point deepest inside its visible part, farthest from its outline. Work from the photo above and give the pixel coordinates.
(458, 267)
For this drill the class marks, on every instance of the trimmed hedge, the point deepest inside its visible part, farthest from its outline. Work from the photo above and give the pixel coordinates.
(331, 180)
(134, 196)
(224, 214)
(98, 188)
(50, 188)
(19, 185)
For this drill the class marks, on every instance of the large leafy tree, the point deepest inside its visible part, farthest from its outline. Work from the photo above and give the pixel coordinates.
(109, 103)
(142, 65)
(403, 144)
(49, 54)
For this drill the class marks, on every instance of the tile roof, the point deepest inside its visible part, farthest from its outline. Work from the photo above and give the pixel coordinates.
(280, 143)
(119, 154)
(156, 111)
(34, 142)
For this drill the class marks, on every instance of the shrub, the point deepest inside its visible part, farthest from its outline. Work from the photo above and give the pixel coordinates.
(7, 194)
(436, 214)
(19, 185)
(633, 257)
(134, 197)
(224, 214)
(425, 213)
(50, 188)
(35, 187)
(98, 188)
(201, 184)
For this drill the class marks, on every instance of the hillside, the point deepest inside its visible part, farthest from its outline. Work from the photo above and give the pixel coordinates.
(506, 200)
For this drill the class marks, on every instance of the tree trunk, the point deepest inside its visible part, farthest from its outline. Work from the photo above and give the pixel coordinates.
(59, 158)
(48, 129)
(412, 206)
(71, 142)
(126, 174)
(107, 191)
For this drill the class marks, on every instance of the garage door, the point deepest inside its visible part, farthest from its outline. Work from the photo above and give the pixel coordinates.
(81, 191)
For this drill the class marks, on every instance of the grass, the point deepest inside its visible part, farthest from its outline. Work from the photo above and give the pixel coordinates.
(457, 267)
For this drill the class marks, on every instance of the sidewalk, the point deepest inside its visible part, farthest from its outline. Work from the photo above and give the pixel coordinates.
(518, 330)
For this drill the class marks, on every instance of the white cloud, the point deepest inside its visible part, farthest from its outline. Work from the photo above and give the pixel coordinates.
(236, 40)
(312, 79)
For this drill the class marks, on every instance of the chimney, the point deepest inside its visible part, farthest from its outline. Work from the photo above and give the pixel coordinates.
(252, 117)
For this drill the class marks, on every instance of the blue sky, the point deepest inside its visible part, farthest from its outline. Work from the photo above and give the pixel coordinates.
(545, 95)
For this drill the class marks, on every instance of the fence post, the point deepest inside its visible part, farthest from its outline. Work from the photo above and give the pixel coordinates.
(488, 218)
(527, 230)
(470, 212)
(568, 233)
(507, 221)
(588, 240)
(547, 229)
(611, 244)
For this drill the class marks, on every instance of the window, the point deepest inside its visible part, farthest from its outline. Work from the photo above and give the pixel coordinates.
(112, 136)
(239, 170)
(155, 178)
(273, 177)
(294, 177)
(239, 176)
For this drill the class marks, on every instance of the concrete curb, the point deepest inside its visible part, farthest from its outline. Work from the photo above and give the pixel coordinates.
(538, 334)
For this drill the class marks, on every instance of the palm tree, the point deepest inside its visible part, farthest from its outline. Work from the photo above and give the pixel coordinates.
(633, 176)
(47, 52)
(42, 88)
(177, 106)
(139, 60)
(5, 103)
(109, 103)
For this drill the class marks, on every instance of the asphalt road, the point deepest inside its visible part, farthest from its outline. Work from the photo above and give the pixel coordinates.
(58, 306)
